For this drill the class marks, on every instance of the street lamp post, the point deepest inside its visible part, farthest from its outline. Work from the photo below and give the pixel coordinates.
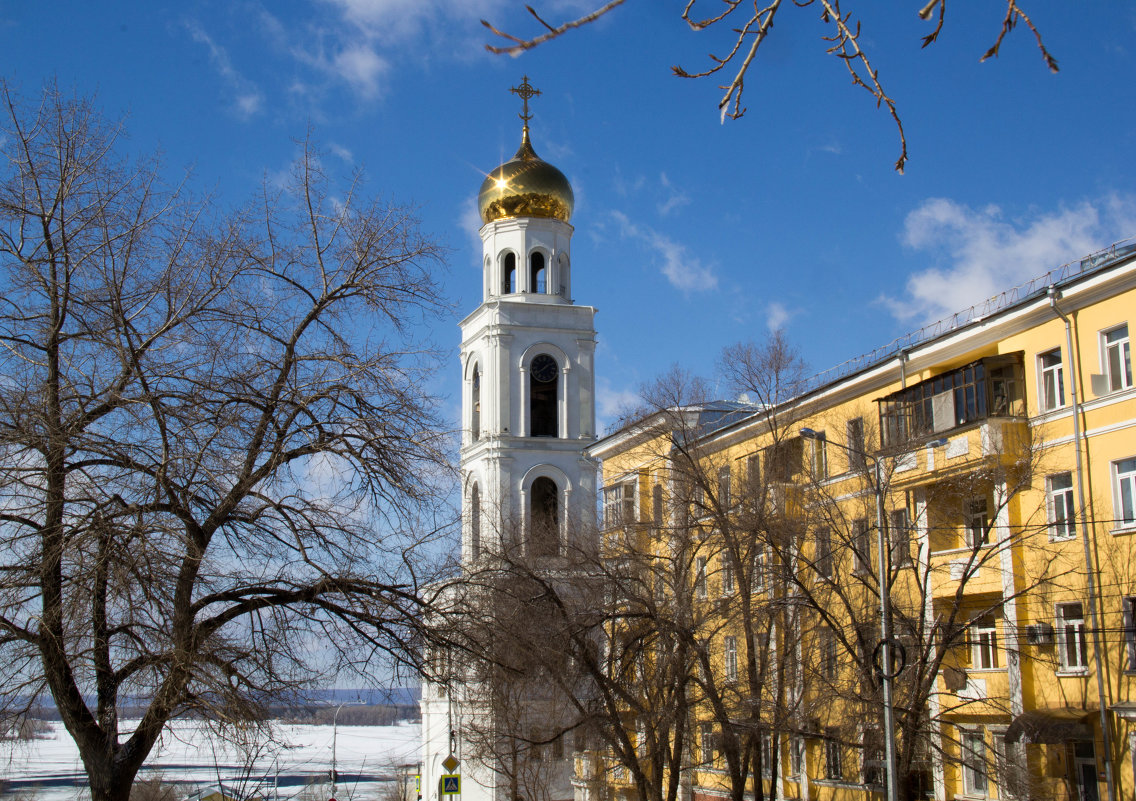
(885, 618)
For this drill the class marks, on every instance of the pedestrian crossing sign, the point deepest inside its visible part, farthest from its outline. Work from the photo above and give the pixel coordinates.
(451, 785)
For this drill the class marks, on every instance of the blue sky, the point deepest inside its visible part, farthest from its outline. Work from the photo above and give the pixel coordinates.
(690, 234)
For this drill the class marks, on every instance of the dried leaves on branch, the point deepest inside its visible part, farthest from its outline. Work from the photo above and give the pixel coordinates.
(218, 459)
(746, 26)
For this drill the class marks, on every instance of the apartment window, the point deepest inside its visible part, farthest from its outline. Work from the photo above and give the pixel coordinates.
(724, 487)
(753, 478)
(727, 574)
(875, 765)
(856, 454)
(1052, 380)
(1125, 473)
(822, 560)
(984, 643)
(1071, 645)
(899, 537)
(1130, 631)
(829, 658)
(757, 580)
(657, 505)
(975, 780)
(707, 741)
(820, 456)
(976, 523)
(862, 546)
(700, 577)
(796, 753)
(619, 505)
(767, 755)
(833, 765)
(1059, 502)
(1117, 358)
(730, 657)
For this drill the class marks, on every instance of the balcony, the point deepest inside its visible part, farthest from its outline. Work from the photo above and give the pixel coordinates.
(993, 387)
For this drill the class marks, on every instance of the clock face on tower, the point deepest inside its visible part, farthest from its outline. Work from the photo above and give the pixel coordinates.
(543, 368)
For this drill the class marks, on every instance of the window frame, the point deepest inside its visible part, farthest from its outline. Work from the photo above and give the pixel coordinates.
(899, 536)
(724, 500)
(861, 546)
(1061, 507)
(975, 764)
(1124, 492)
(1122, 346)
(833, 758)
(1051, 380)
(984, 644)
(1128, 613)
(619, 504)
(976, 537)
(820, 456)
(857, 445)
(1076, 625)
(701, 588)
(729, 582)
(708, 747)
(823, 557)
(730, 657)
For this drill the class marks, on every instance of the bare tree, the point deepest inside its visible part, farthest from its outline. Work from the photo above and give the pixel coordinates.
(744, 27)
(218, 458)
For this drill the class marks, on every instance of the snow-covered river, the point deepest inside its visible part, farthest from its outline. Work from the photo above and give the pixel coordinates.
(295, 764)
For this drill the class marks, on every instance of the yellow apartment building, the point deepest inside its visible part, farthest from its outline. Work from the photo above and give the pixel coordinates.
(994, 457)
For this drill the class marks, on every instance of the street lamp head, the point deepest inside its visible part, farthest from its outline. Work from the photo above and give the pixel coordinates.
(941, 442)
(808, 433)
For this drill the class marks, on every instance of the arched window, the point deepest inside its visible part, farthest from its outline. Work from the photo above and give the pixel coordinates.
(509, 274)
(537, 273)
(545, 533)
(475, 404)
(475, 523)
(544, 377)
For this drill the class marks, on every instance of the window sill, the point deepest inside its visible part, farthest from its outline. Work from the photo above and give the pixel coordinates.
(986, 670)
(1122, 530)
(1071, 673)
(1066, 538)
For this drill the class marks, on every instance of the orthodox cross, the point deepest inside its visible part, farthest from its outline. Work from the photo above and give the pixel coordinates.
(525, 91)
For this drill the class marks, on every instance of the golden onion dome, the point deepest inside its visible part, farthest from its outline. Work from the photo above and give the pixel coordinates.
(525, 186)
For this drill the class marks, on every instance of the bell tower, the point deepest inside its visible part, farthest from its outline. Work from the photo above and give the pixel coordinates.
(528, 414)
(527, 356)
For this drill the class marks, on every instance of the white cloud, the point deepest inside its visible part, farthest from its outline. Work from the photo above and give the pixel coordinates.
(341, 152)
(681, 268)
(248, 99)
(675, 198)
(776, 315)
(470, 222)
(978, 253)
(361, 67)
(611, 403)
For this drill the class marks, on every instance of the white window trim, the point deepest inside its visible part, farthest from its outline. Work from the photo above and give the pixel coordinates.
(1058, 370)
(984, 636)
(1051, 508)
(1117, 493)
(1063, 666)
(1104, 346)
(965, 750)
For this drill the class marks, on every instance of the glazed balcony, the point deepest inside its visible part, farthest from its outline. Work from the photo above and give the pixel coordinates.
(980, 409)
